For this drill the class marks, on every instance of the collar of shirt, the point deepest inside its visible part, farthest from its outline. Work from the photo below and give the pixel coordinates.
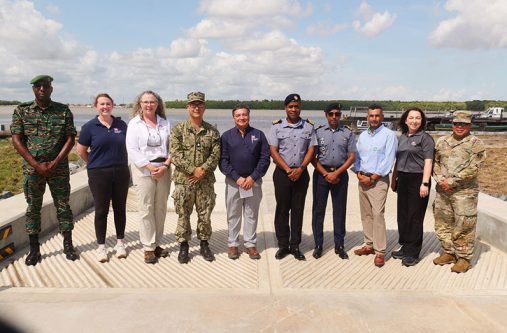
(247, 130)
(98, 123)
(36, 106)
(376, 130)
(285, 123)
(160, 121)
(339, 128)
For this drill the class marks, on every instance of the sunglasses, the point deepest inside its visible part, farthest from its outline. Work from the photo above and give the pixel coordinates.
(334, 114)
(460, 124)
(40, 85)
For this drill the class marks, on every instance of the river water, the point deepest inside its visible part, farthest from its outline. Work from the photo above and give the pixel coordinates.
(222, 119)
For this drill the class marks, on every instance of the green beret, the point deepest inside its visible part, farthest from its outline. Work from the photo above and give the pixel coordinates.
(39, 78)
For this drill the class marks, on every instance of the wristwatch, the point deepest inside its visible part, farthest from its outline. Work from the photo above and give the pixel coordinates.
(302, 167)
(426, 184)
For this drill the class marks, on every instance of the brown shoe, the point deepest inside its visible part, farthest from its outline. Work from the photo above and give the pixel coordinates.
(233, 252)
(461, 266)
(149, 257)
(252, 253)
(364, 251)
(444, 259)
(379, 260)
(161, 252)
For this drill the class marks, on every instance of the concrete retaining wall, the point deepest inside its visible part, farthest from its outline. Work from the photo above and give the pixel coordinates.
(492, 221)
(12, 210)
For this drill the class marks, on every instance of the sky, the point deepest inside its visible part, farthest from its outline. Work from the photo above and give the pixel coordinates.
(407, 50)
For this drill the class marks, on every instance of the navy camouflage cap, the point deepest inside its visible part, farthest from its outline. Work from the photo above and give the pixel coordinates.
(195, 96)
(462, 117)
(292, 98)
(41, 78)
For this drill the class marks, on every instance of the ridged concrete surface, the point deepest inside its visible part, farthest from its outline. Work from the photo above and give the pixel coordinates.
(489, 271)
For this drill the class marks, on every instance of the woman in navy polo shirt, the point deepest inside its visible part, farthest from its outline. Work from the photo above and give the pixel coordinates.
(102, 146)
(411, 179)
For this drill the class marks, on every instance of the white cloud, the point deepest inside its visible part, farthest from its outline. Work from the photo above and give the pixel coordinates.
(478, 24)
(323, 29)
(253, 9)
(374, 23)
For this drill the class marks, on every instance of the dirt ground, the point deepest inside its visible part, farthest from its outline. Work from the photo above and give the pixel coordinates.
(493, 173)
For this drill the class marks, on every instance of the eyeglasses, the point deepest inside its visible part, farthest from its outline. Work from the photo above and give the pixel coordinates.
(334, 114)
(460, 124)
(196, 105)
(148, 102)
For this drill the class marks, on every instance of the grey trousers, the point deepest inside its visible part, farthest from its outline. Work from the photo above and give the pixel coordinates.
(238, 208)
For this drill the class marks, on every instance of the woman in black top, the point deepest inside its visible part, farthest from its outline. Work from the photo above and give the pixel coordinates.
(411, 179)
(102, 146)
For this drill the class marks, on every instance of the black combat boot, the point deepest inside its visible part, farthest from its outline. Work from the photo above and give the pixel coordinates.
(183, 256)
(206, 252)
(34, 256)
(68, 248)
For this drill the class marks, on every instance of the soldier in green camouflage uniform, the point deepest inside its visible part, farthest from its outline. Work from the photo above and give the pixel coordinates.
(43, 133)
(195, 152)
(457, 161)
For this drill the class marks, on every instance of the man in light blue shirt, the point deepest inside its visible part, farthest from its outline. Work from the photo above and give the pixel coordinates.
(376, 151)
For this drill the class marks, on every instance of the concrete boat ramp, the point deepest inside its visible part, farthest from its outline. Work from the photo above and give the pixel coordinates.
(266, 295)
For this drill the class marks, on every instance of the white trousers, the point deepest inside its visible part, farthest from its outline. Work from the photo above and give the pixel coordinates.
(152, 198)
(238, 208)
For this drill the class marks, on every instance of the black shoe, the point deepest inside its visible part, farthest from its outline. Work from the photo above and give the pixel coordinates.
(409, 261)
(33, 256)
(282, 253)
(183, 256)
(297, 254)
(397, 254)
(68, 248)
(317, 252)
(161, 252)
(206, 252)
(340, 251)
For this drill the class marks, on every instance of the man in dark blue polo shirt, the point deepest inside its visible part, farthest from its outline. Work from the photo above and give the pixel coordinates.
(244, 160)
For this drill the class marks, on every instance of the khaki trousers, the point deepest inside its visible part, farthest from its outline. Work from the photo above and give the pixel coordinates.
(152, 198)
(372, 201)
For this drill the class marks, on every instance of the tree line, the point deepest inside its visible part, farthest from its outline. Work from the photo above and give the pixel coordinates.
(265, 104)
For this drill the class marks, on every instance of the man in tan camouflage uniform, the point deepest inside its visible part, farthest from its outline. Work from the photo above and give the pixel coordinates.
(43, 133)
(195, 152)
(457, 161)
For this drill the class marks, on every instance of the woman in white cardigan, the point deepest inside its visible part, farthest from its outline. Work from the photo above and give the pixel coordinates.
(148, 149)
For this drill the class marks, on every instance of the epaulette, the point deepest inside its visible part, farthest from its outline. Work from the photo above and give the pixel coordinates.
(348, 127)
(319, 127)
(311, 122)
(277, 121)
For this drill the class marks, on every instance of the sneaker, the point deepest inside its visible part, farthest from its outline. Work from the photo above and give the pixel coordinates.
(149, 257)
(101, 254)
(409, 261)
(398, 254)
(121, 251)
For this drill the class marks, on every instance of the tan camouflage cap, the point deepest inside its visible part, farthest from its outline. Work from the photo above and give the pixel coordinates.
(462, 117)
(195, 96)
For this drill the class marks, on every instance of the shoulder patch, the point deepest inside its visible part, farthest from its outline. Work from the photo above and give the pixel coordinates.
(277, 121)
(311, 122)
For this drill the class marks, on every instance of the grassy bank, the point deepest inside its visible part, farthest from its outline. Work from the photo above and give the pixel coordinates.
(11, 177)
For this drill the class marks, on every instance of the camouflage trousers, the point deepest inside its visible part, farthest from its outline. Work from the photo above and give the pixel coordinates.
(34, 187)
(185, 197)
(455, 222)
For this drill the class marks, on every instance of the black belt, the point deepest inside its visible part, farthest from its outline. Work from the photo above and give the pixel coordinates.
(330, 169)
(367, 174)
(159, 159)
